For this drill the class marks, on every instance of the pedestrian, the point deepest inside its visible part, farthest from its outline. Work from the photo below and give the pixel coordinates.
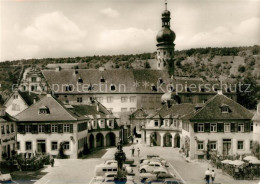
(207, 176)
(133, 151)
(138, 151)
(213, 175)
(52, 161)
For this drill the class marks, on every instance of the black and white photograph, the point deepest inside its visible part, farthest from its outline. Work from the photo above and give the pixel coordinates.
(130, 91)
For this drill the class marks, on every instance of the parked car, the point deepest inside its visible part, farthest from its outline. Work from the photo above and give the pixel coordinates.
(154, 158)
(172, 181)
(110, 176)
(160, 178)
(152, 175)
(98, 180)
(109, 162)
(102, 169)
(5, 177)
(150, 167)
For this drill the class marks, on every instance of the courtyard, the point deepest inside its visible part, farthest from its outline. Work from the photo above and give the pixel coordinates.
(79, 171)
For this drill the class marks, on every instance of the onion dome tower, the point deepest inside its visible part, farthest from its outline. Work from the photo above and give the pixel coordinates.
(165, 45)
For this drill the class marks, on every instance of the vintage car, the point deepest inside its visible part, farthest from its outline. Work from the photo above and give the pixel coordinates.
(5, 177)
(109, 162)
(172, 181)
(152, 175)
(151, 167)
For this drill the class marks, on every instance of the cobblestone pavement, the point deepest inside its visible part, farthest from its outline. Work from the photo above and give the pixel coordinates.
(82, 171)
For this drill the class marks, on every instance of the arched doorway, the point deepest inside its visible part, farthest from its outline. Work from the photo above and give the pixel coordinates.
(177, 141)
(155, 139)
(110, 139)
(99, 140)
(91, 141)
(167, 139)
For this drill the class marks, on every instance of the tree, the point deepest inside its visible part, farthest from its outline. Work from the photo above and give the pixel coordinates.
(241, 68)
(247, 92)
(147, 65)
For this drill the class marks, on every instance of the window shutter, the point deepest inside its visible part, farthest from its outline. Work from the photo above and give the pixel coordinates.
(71, 128)
(247, 126)
(233, 127)
(220, 127)
(47, 128)
(195, 127)
(60, 128)
(207, 127)
(34, 129)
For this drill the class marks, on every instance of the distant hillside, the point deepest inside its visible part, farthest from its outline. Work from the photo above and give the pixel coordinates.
(234, 62)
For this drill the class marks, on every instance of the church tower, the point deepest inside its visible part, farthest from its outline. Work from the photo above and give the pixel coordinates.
(165, 45)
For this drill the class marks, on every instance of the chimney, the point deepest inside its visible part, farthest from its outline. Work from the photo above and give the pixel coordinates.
(220, 92)
(258, 108)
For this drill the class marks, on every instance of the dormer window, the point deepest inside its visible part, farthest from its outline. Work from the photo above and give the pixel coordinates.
(102, 79)
(80, 80)
(44, 110)
(160, 80)
(154, 87)
(112, 87)
(224, 108)
(69, 88)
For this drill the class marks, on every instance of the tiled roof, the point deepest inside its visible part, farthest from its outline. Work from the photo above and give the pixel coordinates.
(29, 97)
(212, 110)
(57, 110)
(126, 81)
(175, 110)
(7, 118)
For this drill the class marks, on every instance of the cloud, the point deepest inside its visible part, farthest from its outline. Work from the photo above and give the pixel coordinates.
(129, 39)
(54, 27)
(110, 12)
(246, 33)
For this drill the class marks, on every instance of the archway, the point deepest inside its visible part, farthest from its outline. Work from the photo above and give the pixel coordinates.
(177, 99)
(110, 139)
(91, 141)
(177, 141)
(155, 139)
(167, 139)
(99, 140)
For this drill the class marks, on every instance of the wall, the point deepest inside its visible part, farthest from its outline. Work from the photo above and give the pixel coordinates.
(19, 101)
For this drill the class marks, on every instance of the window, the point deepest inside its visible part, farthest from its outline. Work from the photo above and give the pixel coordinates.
(66, 145)
(143, 98)
(41, 128)
(28, 128)
(251, 144)
(200, 145)
(66, 128)
(12, 128)
(69, 88)
(240, 127)
(150, 99)
(112, 87)
(227, 127)
(240, 145)
(109, 99)
(28, 145)
(80, 80)
(132, 109)
(123, 99)
(54, 128)
(79, 99)
(100, 99)
(54, 145)
(123, 109)
(7, 129)
(132, 99)
(33, 79)
(252, 127)
(213, 127)
(201, 127)
(18, 145)
(110, 123)
(3, 129)
(213, 145)
(224, 109)
(102, 123)
(44, 110)
(156, 123)
(15, 96)
(102, 79)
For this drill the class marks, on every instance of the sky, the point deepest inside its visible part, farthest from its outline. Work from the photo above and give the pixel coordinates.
(71, 28)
